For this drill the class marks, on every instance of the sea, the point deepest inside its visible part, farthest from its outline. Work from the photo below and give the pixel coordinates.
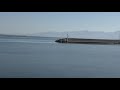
(44, 58)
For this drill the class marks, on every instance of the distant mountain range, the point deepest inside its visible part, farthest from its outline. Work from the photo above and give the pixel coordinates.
(81, 34)
(7, 35)
(73, 34)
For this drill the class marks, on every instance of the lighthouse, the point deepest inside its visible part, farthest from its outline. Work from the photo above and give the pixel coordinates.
(67, 38)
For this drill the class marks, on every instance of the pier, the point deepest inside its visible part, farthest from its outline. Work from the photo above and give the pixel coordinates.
(87, 41)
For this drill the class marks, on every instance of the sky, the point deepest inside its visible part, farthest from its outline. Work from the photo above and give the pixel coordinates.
(36, 22)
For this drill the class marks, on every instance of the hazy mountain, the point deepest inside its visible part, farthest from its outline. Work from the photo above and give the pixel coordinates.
(24, 36)
(71, 34)
(81, 34)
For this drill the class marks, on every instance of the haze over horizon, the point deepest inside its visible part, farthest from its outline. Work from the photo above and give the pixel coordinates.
(36, 22)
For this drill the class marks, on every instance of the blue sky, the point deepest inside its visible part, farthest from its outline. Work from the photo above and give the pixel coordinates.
(35, 22)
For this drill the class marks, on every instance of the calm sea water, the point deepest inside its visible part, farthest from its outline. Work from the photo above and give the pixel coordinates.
(43, 58)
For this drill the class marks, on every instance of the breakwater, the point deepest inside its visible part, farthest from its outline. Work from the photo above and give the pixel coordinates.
(87, 41)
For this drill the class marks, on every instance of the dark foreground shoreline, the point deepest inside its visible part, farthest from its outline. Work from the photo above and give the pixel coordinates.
(88, 41)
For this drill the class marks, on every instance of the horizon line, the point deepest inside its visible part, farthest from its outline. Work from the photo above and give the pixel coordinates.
(56, 31)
